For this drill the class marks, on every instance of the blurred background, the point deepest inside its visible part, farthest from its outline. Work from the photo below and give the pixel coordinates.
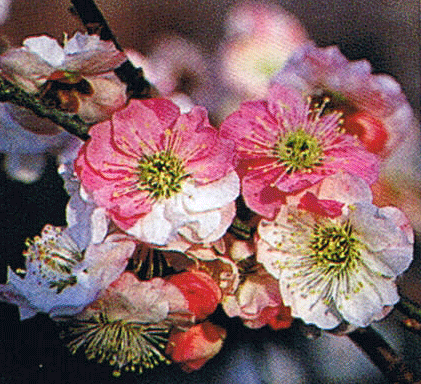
(386, 32)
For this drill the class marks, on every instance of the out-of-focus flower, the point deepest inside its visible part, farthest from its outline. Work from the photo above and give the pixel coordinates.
(172, 91)
(335, 267)
(194, 347)
(25, 149)
(135, 311)
(285, 146)
(4, 10)
(61, 279)
(177, 66)
(259, 40)
(159, 173)
(200, 290)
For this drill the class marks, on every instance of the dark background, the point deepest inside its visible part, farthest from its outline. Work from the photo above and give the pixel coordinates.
(386, 32)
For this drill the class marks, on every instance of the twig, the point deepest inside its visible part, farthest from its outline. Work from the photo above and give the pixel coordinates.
(382, 355)
(71, 123)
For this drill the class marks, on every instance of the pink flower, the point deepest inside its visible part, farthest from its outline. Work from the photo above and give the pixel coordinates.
(285, 146)
(374, 106)
(194, 347)
(159, 173)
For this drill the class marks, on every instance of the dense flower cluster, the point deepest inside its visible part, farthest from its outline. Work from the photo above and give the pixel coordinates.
(269, 217)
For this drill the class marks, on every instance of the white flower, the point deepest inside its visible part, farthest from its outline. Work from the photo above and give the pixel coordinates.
(60, 278)
(337, 267)
(31, 65)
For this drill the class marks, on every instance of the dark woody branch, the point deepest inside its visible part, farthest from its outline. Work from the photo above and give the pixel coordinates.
(71, 123)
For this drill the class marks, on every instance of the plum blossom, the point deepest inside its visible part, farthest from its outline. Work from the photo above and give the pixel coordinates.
(254, 294)
(60, 278)
(86, 222)
(78, 76)
(160, 174)
(375, 109)
(337, 257)
(284, 146)
(142, 311)
(130, 299)
(373, 105)
(178, 69)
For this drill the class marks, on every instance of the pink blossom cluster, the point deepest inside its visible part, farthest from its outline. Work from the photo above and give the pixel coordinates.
(269, 217)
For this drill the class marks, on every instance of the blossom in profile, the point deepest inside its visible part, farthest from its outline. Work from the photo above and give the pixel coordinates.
(77, 77)
(255, 296)
(193, 347)
(86, 222)
(60, 278)
(337, 260)
(286, 145)
(159, 173)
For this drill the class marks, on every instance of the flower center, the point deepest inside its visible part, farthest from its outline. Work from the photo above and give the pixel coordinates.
(334, 246)
(127, 345)
(298, 150)
(51, 252)
(161, 174)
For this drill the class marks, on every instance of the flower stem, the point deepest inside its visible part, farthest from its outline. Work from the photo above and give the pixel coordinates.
(382, 355)
(71, 123)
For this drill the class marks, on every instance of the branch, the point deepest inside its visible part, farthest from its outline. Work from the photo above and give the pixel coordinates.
(382, 355)
(71, 123)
